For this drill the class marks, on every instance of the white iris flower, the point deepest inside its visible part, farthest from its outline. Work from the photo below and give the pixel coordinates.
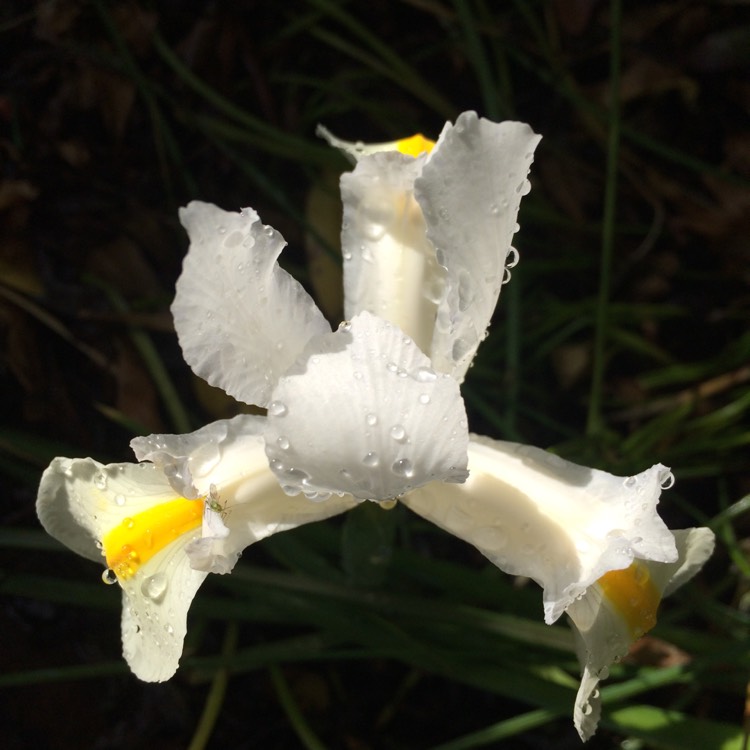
(371, 411)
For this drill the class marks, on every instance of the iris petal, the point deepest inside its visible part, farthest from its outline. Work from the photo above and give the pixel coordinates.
(470, 190)
(240, 318)
(362, 412)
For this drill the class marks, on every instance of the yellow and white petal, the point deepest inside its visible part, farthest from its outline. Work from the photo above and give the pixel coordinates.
(413, 146)
(390, 267)
(537, 515)
(619, 608)
(241, 320)
(225, 464)
(130, 519)
(363, 413)
(469, 191)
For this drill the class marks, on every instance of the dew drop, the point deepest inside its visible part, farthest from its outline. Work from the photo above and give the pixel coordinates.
(154, 587)
(120, 500)
(169, 629)
(506, 275)
(277, 409)
(297, 475)
(371, 459)
(109, 576)
(398, 432)
(587, 710)
(283, 443)
(666, 480)
(128, 523)
(371, 419)
(494, 209)
(100, 481)
(426, 375)
(511, 260)
(424, 398)
(403, 467)
(629, 481)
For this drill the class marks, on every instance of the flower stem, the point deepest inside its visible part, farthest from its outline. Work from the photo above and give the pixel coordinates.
(215, 698)
(301, 728)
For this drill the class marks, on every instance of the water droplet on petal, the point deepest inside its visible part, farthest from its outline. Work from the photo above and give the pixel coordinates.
(371, 459)
(426, 375)
(424, 398)
(372, 419)
(100, 481)
(283, 443)
(666, 479)
(398, 432)
(154, 586)
(277, 409)
(109, 576)
(511, 260)
(630, 481)
(403, 467)
(120, 500)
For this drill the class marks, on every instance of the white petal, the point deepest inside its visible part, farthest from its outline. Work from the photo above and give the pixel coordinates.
(225, 462)
(82, 503)
(537, 515)
(362, 412)
(251, 506)
(619, 608)
(390, 267)
(470, 190)
(241, 319)
(195, 461)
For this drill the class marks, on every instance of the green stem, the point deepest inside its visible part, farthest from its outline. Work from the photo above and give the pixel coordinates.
(215, 697)
(301, 728)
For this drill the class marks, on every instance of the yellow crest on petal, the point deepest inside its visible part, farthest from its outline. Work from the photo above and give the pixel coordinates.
(633, 594)
(136, 539)
(415, 145)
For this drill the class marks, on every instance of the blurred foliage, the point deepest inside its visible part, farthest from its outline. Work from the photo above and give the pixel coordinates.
(623, 339)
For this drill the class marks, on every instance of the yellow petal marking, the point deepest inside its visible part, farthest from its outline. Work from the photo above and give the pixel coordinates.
(415, 145)
(633, 594)
(136, 539)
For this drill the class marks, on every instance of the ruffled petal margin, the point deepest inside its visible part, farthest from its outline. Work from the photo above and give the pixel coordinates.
(241, 319)
(363, 412)
(619, 608)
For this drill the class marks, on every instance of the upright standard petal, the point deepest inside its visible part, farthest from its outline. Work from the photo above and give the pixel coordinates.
(537, 515)
(241, 320)
(469, 191)
(619, 608)
(363, 412)
(390, 268)
(160, 527)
